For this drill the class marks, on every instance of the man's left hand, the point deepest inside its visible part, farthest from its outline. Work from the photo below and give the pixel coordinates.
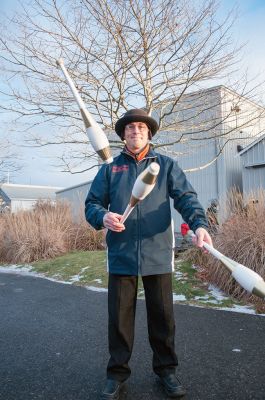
(202, 236)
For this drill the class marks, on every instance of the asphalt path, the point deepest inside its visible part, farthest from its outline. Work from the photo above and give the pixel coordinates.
(53, 346)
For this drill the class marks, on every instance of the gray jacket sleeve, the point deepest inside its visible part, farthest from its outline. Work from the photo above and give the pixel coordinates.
(97, 201)
(185, 198)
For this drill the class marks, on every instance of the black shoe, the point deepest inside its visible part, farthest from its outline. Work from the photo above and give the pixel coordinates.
(111, 390)
(172, 386)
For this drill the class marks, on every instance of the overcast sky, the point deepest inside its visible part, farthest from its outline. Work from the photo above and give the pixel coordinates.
(39, 166)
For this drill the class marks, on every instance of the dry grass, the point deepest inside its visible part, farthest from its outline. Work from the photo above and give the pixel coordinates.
(241, 236)
(45, 232)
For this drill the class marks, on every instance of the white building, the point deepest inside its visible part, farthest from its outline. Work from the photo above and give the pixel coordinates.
(23, 197)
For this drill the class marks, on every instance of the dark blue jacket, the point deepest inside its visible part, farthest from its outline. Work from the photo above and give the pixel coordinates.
(146, 246)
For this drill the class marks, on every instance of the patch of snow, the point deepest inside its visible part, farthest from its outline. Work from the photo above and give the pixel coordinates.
(55, 280)
(83, 269)
(241, 309)
(97, 280)
(179, 275)
(75, 278)
(217, 293)
(205, 297)
(27, 271)
(212, 301)
(96, 289)
(179, 297)
(17, 269)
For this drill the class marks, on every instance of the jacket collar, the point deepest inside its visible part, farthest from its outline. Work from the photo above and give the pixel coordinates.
(147, 152)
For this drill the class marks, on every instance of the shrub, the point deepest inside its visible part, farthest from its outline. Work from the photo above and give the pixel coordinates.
(45, 232)
(83, 237)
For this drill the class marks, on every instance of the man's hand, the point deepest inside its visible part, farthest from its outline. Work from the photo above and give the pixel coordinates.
(112, 222)
(202, 236)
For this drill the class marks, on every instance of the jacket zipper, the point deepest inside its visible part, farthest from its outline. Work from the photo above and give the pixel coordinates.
(138, 229)
(139, 269)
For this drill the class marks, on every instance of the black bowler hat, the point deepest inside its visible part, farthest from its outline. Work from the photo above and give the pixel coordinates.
(135, 115)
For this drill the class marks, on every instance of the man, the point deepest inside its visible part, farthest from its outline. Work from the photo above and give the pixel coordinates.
(142, 246)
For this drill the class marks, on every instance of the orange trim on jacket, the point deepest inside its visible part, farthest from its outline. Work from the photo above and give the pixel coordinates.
(138, 156)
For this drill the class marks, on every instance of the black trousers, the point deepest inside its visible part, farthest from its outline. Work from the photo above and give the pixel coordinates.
(122, 296)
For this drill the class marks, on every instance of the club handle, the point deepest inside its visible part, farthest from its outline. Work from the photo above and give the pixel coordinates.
(126, 213)
(229, 264)
(70, 82)
(208, 247)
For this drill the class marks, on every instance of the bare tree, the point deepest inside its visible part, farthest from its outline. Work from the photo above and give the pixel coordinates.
(8, 160)
(124, 54)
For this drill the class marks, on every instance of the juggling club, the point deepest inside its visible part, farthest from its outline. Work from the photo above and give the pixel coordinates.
(246, 277)
(143, 185)
(96, 136)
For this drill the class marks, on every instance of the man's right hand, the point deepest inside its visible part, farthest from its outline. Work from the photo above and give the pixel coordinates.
(112, 222)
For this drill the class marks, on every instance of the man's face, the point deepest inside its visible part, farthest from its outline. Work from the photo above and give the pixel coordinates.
(136, 136)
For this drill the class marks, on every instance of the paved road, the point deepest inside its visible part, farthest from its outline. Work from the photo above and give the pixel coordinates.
(53, 346)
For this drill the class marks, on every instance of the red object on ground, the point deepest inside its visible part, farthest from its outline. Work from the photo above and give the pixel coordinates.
(184, 228)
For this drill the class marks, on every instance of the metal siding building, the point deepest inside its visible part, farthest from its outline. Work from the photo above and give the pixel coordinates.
(76, 196)
(228, 110)
(253, 166)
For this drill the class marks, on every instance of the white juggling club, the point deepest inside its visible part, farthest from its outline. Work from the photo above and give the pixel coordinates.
(143, 185)
(96, 136)
(246, 277)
